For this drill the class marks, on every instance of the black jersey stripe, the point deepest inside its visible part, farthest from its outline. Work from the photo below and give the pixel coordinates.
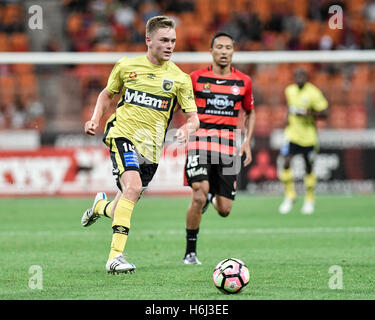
(121, 103)
(207, 125)
(215, 112)
(228, 82)
(110, 124)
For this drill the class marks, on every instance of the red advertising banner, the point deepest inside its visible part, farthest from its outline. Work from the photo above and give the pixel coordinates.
(50, 171)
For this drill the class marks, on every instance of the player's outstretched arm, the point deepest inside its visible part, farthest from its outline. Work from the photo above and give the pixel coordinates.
(191, 125)
(102, 105)
(245, 147)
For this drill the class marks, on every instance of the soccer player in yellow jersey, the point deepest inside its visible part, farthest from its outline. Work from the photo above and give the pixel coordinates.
(305, 103)
(150, 87)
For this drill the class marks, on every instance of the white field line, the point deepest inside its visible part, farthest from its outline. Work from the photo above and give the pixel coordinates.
(140, 232)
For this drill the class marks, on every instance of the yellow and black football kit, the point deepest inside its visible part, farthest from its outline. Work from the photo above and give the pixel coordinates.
(300, 133)
(301, 130)
(149, 93)
(135, 132)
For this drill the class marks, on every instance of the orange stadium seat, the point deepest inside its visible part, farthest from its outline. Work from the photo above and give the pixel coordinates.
(223, 7)
(7, 89)
(338, 117)
(320, 79)
(12, 13)
(240, 5)
(262, 8)
(361, 74)
(355, 6)
(279, 114)
(357, 94)
(182, 34)
(19, 42)
(263, 124)
(311, 34)
(4, 42)
(23, 68)
(300, 8)
(358, 117)
(284, 74)
(28, 89)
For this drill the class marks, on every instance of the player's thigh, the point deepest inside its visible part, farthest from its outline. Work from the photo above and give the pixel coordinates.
(309, 156)
(223, 182)
(131, 185)
(126, 167)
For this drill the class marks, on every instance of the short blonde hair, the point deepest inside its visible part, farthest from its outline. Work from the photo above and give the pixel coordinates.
(159, 22)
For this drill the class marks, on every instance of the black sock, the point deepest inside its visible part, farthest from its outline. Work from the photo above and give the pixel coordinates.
(191, 240)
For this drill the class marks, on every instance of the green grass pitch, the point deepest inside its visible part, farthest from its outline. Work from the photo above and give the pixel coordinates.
(288, 256)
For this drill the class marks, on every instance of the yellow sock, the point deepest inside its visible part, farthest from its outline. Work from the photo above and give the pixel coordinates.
(121, 226)
(103, 208)
(310, 183)
(286, 177)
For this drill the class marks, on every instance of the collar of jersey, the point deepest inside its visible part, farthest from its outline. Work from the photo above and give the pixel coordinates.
(163, 66)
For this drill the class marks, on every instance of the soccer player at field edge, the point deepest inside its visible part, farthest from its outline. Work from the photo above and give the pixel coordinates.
(305, 103)
(150, 86)
(212, 162)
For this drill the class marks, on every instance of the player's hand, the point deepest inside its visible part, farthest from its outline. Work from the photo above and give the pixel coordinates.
(90, 127)
(245, 148)
(182, 135)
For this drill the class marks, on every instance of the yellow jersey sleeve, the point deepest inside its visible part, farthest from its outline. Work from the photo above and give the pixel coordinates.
(185, 95)
(320, 103)
(115, 80)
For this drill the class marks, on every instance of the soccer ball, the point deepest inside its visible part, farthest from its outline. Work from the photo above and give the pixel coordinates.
(231, 275)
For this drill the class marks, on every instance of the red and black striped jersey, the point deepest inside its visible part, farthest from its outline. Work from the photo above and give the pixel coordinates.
(219, 100)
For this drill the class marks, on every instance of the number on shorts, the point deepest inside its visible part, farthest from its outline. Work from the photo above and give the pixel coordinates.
(192, 161)
(128, 147)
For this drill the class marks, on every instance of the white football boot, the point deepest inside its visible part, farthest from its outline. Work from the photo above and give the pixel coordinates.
(119, 265)
(308, 207)
(191, 258)
(89, 217)
(286, 206)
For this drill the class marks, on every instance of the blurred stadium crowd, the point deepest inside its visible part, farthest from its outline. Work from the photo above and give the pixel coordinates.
(28, 93)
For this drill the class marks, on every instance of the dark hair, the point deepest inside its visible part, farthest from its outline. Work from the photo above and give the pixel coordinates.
(220, 34)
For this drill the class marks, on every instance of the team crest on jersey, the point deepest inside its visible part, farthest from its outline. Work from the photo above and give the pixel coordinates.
(207, 87)
(235, 90)
(167, 85)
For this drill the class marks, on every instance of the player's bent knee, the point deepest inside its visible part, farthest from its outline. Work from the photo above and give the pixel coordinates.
(224, 213)
(132, 191)
(199, 199)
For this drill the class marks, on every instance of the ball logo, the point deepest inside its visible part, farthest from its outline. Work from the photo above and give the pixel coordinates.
(167, 85)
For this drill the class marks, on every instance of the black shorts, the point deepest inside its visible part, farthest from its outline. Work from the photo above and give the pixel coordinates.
(125, 157)
(292, 149)
(221, 174)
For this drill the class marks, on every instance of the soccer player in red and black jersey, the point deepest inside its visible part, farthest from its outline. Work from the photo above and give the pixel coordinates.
(213, 159)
